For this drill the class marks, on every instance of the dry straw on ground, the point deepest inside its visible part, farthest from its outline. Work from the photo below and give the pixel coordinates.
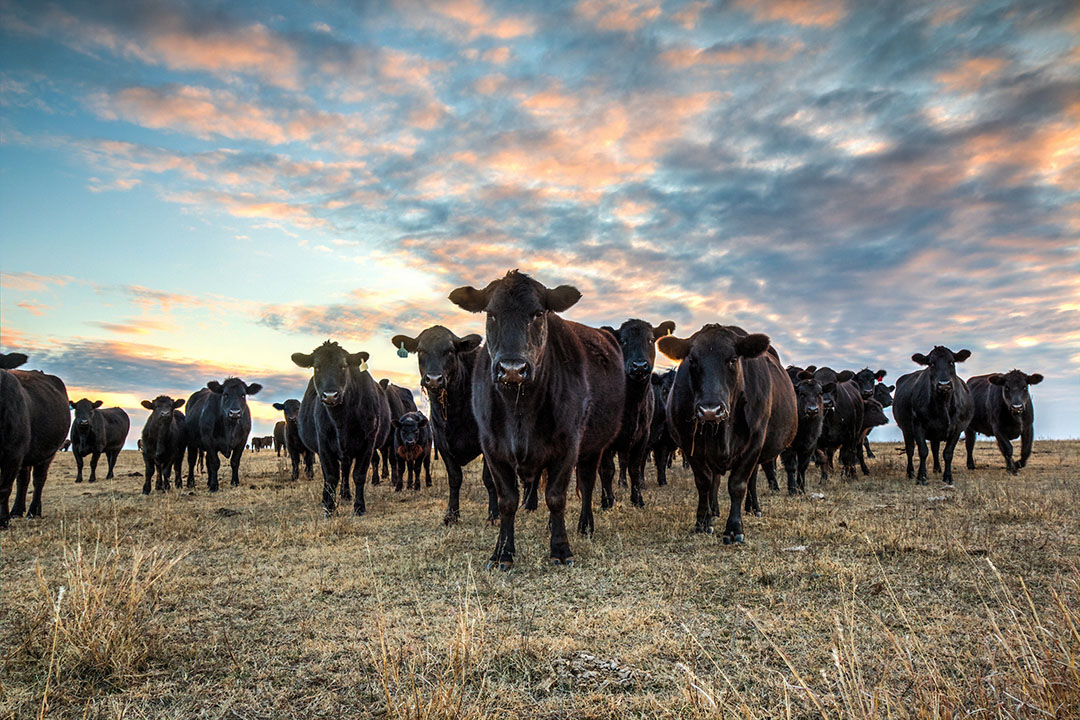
(879, 599)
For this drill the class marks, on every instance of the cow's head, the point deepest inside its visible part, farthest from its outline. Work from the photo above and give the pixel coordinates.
(232, 394)
(437, 351)
(331, 370)
(84, 412)
(873, 414)
(408, 427)
(1014, 388)
(10, 361)
(290, 408)
(162, 407)
(866, 379)
(883, 394)
(637, 339)
(827, 376)
(941, 365)
(517, 310)
(713, 358)
(809, 395)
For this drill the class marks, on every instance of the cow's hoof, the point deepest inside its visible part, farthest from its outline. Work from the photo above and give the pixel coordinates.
(569, 561)
(451, 518)
(504, 565)
(757, 513)
(661, 483)
(146, 491)
(493, 519)
(736, 539)
(78, 479)
(359, 512)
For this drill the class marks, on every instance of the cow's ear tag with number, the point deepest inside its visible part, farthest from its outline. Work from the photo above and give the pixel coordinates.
(363, 366)
(402, 352)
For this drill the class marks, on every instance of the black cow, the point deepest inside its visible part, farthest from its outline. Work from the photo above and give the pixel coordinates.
(1003, 409)
(33, 422)
(661, 443)
(637, 340)
(883, 395)
(873, 416)
(446, 365)
(412, 443)
(162, 442)
(842, 421)
(294, 446)
(345, 416)
(279, 436)
(218, 421)
(732, 407)
(95, 432)
(809, 403)
(867, 379)
(401, 401)
(933, 405)
(548, 395)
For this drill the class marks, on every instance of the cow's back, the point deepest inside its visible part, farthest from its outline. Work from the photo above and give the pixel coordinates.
(601, 363)
(117, 424)
(771, 381)
(904, 399)
(49, 413)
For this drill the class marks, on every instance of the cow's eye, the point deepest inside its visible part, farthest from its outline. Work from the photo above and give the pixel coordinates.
(538, 314)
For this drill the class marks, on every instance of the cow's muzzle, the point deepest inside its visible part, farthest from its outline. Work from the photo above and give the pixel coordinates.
(712, 413)
(512, 371)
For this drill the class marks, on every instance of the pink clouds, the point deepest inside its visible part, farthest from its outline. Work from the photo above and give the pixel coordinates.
(619, 15)
(820, 13)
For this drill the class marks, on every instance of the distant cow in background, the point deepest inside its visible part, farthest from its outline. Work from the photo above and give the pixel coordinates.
(401, 401)
(661, 443)
(162, 442)
(1003, 410)
(933, 405)
(412, 443)
(33, 422)
(841, 426)
(218, 421)
(809, 402)
(883, 395)
(294, 446)
(279, 436)
(95, 432)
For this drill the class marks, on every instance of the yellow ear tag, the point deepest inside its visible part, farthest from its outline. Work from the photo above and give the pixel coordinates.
(363, 366)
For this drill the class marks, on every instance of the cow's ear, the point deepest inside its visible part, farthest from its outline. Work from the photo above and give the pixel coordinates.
(805, 375)
(469, 298)
(751, 346)
(996, 379)
(177, 404)
(98, 403)
(71, 405)
(1034, 379)
(303, 360)
(828, 387)
(891, 388)
(467, 343)
(357, 359)
(147, 404)
(665, 328)
(612, 331)
(410, 344)
(920, 359)
(561, 298)
(253, 388)
(961, 356)
(674, 347)
(811, 369)
(422, 422)
(844, 376)
(214, 386)
(384, 382)
(880, 375)
(12, 361)
(279, 406)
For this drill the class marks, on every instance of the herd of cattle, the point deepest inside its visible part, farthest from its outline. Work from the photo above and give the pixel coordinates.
(538, 398)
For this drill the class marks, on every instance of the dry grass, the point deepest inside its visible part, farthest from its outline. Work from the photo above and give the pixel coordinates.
(904, 602)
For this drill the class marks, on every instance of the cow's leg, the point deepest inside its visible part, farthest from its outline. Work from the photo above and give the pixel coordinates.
(637, 456)
(920, 441)
(866, 444)
(111, 457)
(506, 485)
(492, 491)
(427, 469)
(607, 478)
(360, 478)
(704, 517)
(178, 466)
(969, 444)
(790, 458)
(849, 456)
(1027, 435)
(331, 469)
(769, 468)
(531, 498)
(41, 471)
(346, 485)
(559, 475)
(235, 464)
(453, 479)
(909, 449)
(148, 464)
(7, 480)
(1006, 448)
(213, 462)
(804, 464)
(387, 457)
(375, 464)
(947, 456)
(751, 494)
(166, 470)
(22, 482)
(662, 458)
(294, 458)
(935, 451)
(78, 467)
(622, 468)
(309, 464)
(94, 457)
(741, 481)
(862, 458)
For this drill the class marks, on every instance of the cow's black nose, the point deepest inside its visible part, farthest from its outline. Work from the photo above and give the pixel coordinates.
(513, 371)
(235, 413)
(1017, 408)
(433, 381)
(812, 411)
(331, 398)
(639, 367)
(712, 413)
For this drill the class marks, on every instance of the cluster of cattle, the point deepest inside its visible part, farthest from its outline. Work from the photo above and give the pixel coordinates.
(541, 397)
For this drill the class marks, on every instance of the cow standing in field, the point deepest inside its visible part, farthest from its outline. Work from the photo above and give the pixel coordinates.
(95, 432)
(412, 443)
(809, 401)
(637, 341)
(661, 443)
(548, 395)
(446, 364)
(345, 416)
(162, 442)
(842, 421)
(1003, 410)
(933, 405)
(218, 421)
(401, 401)
(294, 446)
(883, 395)
(33, 423)
(279, 436)
(732, 407)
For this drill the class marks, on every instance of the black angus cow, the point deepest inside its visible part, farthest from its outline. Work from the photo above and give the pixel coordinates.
(255, 444)
(279, 436)
(412, 443)
(401, 401)
(162, 442)
(218, 421)
(731, 408)
(842, 420)
(33, 423)
(637, 341)
(294, 446)
(933, 405)
(809, 403)
(446, 365)
(867, 380)
(661, 443)
(345, 416)
(883, 395)
(548, 395)
(873, 416)
(95, 432)
(1003, 410)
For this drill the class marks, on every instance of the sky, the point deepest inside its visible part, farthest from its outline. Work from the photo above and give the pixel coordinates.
(190, 191)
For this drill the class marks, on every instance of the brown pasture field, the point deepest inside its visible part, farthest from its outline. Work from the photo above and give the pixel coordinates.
(879, 599)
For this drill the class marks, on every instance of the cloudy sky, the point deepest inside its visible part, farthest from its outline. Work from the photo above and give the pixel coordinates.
(195, 190)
